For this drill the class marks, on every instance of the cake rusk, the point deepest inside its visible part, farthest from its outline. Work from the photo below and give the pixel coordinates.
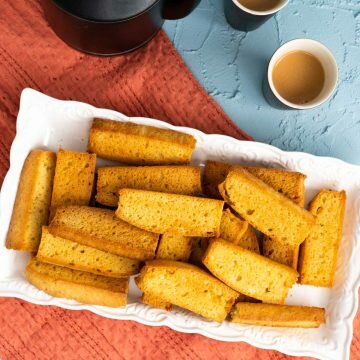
(248, 241)
(187, 286)
(265, 209)
(277, 315)
(277, 250)
(238, 231)
(282, 252)
(170, 213)
(288, 183)
(101, 229)
(174, 247)
(32, 203)
(81, 286)
(59, 251)
(155, 301)
(249, 273)
(319, 252)
(185, 180)
(139, 144)
(200, 245)
(232, 229)
(74, 179)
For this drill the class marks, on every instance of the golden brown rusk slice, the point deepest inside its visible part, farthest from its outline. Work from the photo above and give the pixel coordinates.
(81, 286)
(277, 315)
(101, 229)
(154, 301)
(32, 203)
(183, 180)
(249, 273)
(174, 247)
(264, 208)
(139, 144)
(187, 286)
(319, 252)
(170, 213)
(74, 179)
(63, 252)
(289, 183)
(238, 232)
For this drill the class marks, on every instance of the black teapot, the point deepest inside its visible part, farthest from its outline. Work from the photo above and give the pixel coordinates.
(110, 27)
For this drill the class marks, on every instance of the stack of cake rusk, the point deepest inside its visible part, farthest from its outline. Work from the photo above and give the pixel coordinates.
(225, 244)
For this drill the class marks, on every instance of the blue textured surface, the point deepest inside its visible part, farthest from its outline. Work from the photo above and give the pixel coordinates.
(231, 64)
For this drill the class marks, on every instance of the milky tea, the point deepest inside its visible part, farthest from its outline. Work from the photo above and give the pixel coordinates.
(298, 77)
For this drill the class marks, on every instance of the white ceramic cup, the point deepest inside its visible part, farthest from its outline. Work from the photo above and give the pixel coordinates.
(327, 60)
(272, 11)
(242, 18)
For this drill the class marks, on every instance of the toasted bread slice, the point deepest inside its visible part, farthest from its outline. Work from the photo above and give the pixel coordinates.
(289, 183)
(32, 203)
(277, 250)
(198, 251)
(249, 273)
(63, 252)
(264, 208)
(277, 315)
(174, 247)
(238, 231)
(170, 213)
(319, 252)
(281, 252)
(183, 180)
(139, 144)
(214, 174)
(74, 179)
(101, 229)
(81, 286)
(155, 301)
(247, 241)
(187, 286)
(232, 229)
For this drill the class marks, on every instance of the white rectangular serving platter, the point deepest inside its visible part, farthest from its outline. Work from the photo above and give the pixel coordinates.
(47, 123)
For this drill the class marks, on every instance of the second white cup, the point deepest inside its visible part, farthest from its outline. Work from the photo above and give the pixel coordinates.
(325, 57)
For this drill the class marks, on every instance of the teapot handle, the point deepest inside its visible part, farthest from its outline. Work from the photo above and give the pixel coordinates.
(177, 9)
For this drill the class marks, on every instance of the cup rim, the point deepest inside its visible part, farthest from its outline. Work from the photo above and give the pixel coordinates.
(294, 105)
(260, 13)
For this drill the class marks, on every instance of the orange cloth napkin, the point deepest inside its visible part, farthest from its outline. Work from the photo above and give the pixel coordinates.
(153, 82)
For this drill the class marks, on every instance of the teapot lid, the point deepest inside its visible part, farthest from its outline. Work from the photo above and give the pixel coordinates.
(104, 10)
